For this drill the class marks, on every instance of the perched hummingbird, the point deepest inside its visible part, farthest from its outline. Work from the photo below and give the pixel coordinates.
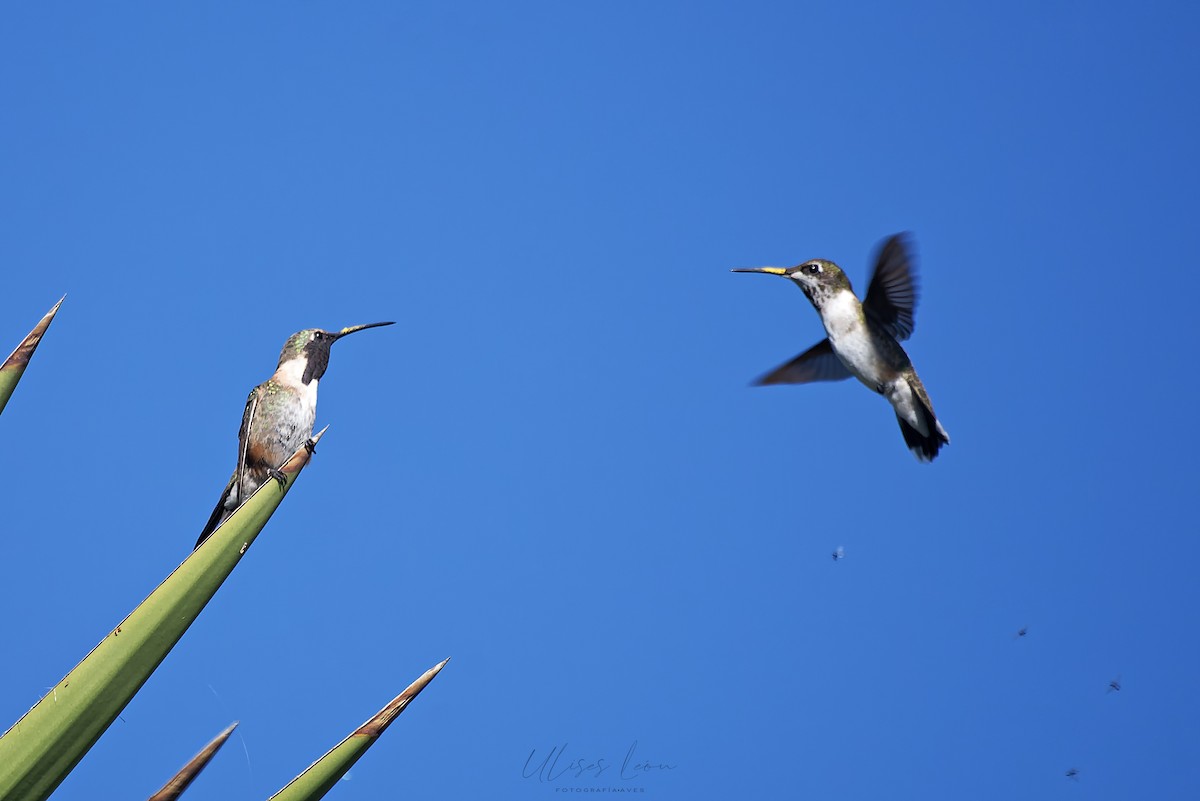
(864, 339)
(279, 417)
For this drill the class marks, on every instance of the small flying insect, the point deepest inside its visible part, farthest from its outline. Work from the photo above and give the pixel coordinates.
(1073, 773)
(1021, 632)
(840, 553)
(1114, 686)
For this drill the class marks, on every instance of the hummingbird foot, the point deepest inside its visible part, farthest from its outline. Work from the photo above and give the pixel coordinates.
(279, 477)
(310, 446)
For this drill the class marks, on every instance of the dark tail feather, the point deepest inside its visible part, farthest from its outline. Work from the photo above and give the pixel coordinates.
(924, 447)
(218, 517)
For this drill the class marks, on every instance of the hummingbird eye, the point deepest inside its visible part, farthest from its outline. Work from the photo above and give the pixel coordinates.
(813, 268)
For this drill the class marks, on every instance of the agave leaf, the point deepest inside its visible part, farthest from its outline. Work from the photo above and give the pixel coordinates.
(323, 774)
(180, 781)
(14, 365)
(41, 748)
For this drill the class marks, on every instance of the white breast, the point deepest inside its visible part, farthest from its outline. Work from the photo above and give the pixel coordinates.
(842, 316)
(290, 374)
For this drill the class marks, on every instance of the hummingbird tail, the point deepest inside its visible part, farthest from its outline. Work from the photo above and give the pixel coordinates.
(211, 525)
(924, 447)
(219, 515)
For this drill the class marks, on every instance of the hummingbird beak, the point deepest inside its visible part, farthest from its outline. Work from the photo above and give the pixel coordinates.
(354, 328)
(771, 270)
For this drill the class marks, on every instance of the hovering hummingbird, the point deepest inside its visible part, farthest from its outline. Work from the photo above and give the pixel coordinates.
(279, 418)
(864, 339)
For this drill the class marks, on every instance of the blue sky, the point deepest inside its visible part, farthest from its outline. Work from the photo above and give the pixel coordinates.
(552, 469)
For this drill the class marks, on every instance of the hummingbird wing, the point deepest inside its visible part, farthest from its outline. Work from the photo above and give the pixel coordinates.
(892, 296)
(818, 363)
(244, 432)
(220, 514)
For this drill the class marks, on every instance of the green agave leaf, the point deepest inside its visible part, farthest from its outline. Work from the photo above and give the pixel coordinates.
(14, 365)
(323, 774)
(41, 748)
(180, 781)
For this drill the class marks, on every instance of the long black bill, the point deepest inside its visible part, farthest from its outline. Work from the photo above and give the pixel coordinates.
(771, 270)
(354, 328)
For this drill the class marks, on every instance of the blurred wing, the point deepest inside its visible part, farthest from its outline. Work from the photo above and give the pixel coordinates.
(892, 296)
(818, 363)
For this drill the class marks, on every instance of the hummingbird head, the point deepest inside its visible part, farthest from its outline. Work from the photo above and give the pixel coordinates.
(819, 278)
(311, 347)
